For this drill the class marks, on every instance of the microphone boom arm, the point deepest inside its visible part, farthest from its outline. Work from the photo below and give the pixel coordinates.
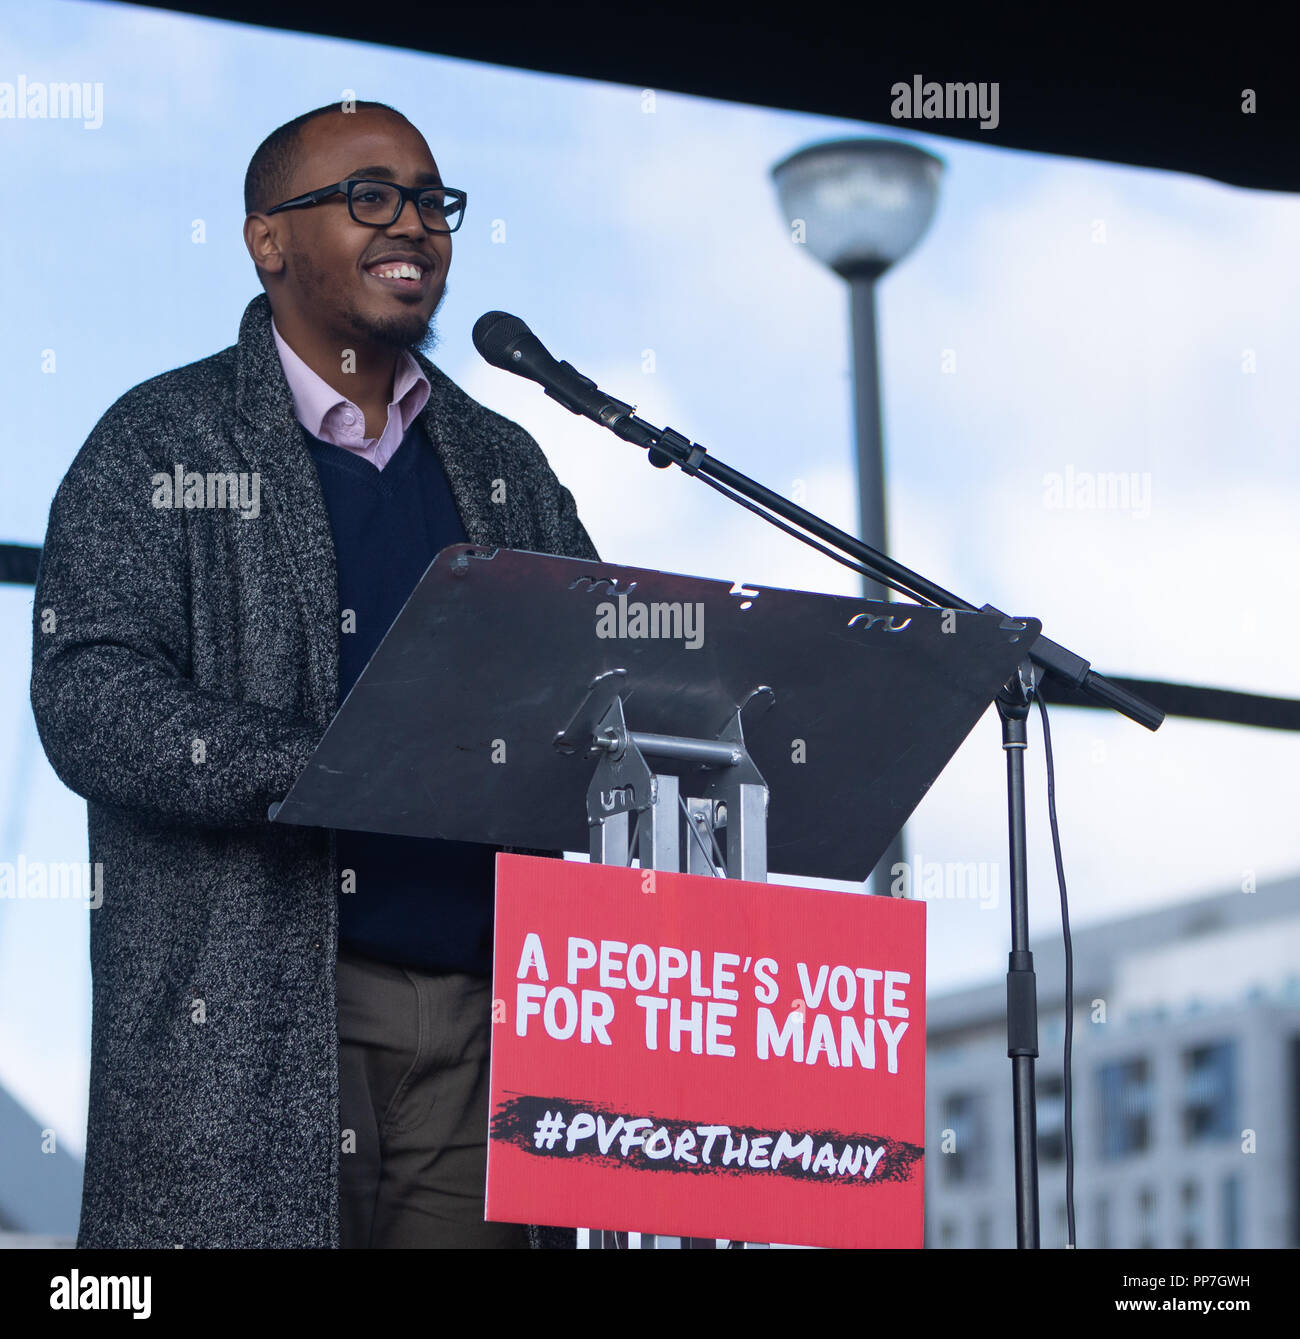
(666, 447)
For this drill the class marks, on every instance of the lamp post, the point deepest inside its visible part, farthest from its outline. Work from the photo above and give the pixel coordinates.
(860, 205)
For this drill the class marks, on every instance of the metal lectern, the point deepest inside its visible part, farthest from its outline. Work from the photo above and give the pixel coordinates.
(528, 701)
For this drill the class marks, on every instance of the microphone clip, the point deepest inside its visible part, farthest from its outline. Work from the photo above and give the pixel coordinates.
(685, 455)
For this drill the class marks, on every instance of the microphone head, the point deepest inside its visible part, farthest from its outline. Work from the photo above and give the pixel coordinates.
(495, 334)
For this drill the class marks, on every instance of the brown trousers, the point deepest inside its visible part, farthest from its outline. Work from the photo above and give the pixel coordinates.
(413, 1090)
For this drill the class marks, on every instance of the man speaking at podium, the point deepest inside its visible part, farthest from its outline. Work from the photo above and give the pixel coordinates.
(290, 1026)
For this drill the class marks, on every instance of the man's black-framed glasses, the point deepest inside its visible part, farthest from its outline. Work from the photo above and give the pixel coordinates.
(378, 203)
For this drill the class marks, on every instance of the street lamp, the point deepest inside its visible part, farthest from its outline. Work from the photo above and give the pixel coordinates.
(860, 205)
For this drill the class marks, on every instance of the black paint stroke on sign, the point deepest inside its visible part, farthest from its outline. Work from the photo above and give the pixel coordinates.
(517, 1118)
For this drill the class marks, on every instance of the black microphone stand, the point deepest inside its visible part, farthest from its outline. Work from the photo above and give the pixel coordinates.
(666, 447)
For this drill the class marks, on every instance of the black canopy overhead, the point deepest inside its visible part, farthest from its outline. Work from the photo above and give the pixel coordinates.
(1217, 99)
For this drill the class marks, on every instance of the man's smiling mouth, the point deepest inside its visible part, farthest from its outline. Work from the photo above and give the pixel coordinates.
(400, 275)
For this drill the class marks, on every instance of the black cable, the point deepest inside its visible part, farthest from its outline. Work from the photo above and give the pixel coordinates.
(777, 521)
(720, 861)
(1068, 1085)
(699, 841)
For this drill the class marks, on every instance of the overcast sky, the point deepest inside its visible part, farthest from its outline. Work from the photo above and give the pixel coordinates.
(1059, 316)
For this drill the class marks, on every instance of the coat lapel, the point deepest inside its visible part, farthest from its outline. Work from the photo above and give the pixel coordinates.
(470, 462)
(269, 437)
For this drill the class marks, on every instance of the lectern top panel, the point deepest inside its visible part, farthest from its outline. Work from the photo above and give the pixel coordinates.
(449, 732)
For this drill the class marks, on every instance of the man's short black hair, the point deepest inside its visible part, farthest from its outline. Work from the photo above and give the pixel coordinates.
(266, 183)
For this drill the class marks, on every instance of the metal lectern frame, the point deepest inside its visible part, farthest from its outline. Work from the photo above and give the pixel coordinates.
(661, 817)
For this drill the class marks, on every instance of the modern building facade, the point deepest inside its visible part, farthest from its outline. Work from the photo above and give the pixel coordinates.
(1186, 1085)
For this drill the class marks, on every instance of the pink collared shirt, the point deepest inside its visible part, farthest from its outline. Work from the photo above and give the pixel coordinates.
(334, 418)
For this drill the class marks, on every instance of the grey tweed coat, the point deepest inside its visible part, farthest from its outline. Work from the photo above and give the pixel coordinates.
(185, 665)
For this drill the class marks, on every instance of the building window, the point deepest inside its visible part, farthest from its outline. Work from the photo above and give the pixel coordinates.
(1126, 1101)
(1051, 1118)
(984, 1232)
(965, 1156)
(1146, 1213)
(1102, 1222)
(1231, 1196)
(1189, 1227)
(1210, 1092)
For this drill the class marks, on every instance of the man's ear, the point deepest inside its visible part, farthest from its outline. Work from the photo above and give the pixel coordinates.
(259, 238)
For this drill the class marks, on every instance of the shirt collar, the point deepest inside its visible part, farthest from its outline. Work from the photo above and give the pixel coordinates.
(314, 397)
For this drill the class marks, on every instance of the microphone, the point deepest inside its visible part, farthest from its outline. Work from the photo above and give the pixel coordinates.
(506, 342)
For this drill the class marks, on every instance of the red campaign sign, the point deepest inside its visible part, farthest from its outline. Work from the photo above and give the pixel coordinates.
(706, 1057)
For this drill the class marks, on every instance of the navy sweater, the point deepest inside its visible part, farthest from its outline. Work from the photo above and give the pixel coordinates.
(418, 902)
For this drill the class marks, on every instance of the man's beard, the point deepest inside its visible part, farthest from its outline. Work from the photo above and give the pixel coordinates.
(402, 330)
